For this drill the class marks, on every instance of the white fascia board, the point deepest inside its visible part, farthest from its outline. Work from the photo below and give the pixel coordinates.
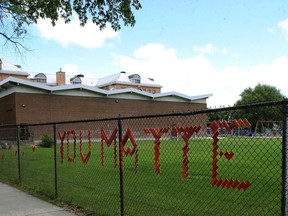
(55, 89)
(129, 83)
(177, 94)
(79, 93)
(21, 89)
(67, 89)
(46, 87)
(121, 93)
(17, 82)
(129, 96)
(129, 90)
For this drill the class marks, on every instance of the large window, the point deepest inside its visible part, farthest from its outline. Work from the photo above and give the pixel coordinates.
(135, 78)
(41, 78)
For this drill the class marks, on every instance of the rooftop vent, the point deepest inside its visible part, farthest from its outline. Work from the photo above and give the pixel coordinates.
(80, 75)
(18, 66)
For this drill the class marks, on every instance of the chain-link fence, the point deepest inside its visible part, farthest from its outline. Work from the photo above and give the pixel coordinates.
(210, 162)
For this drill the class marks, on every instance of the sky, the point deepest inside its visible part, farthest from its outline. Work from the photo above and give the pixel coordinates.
(194, 47)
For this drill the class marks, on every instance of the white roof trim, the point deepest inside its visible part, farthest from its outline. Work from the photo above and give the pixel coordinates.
(115, 92)
(180, 95)
(14, 72)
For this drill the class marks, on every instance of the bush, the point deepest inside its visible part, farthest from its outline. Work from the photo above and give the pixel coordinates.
(46, 141)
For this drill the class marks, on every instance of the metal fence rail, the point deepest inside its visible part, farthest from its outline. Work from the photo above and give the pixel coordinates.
(210, 162)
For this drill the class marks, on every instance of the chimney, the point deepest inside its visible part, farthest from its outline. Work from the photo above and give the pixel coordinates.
(60, 78)
(0, 64)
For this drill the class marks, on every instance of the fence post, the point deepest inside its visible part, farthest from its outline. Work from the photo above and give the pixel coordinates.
(120, 168)
(18, 150)
(55, 161)
(284, 160)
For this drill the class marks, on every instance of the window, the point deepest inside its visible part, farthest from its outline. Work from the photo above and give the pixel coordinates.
(135, 78)
(75, 80)
(41, 78)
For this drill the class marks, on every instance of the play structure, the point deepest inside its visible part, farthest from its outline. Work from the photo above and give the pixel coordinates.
(269, 128)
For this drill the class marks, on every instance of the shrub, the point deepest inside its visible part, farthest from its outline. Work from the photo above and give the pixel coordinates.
(46, 141)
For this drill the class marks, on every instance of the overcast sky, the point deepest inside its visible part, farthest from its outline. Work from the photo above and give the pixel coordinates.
(193, 47)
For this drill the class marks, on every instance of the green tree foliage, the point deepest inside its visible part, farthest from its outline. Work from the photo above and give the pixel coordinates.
(260, 93)
(16, 15)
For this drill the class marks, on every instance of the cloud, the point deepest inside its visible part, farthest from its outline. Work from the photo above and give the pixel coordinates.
(88, 36)
(224, 51)
(207, 49)
(210, 49)
(161, 63)
(271, 30)
(72, 70)
(196, 75)
(283, 25)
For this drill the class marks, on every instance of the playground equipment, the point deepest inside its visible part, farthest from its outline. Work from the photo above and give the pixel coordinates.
(269, 128)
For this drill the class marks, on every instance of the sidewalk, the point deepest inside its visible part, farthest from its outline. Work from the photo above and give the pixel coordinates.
(14, 202)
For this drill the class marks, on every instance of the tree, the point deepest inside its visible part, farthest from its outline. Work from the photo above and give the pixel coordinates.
(260, 93)
(17, 15)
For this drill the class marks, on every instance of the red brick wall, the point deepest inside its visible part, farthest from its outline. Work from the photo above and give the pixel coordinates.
(43, 108)
(7, 110)
(4, 76)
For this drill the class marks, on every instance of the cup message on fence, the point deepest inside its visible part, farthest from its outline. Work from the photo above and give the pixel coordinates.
(157, 133)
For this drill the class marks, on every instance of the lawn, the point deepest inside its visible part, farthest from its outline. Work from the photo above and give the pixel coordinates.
(97, 187)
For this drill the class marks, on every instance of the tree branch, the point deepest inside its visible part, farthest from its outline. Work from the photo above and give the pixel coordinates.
(18, 46)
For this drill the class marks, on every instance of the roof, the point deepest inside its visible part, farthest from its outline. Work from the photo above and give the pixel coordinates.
(51, 79)
(11, 85)
(123, 78)
(8, 68)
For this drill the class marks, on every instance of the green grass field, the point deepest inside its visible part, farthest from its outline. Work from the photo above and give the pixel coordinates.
(97, 188)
